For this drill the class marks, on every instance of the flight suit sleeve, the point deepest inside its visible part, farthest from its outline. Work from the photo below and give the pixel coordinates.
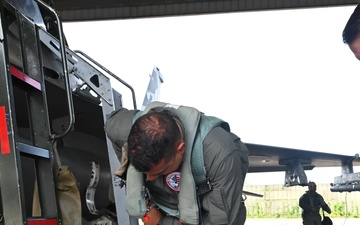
(303, 203)
(324, 206)
(227, 171)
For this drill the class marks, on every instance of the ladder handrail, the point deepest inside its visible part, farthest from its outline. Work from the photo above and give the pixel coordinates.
(109, 72)
(66, 73)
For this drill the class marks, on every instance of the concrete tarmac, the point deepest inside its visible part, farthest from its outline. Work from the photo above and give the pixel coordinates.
(298, 221)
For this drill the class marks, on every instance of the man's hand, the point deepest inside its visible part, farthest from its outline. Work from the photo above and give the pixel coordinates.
(152, 217)
(327, 209)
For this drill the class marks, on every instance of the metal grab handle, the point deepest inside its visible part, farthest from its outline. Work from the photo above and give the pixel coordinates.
(109, 72)
(66, 74)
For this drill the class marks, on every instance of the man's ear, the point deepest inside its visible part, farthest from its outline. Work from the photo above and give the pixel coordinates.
(181, 147)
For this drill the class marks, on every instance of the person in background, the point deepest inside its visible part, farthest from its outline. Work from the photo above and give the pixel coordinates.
(311, 202)
(351, 32)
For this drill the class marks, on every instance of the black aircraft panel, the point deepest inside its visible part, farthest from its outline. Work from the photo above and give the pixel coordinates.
(85, 10)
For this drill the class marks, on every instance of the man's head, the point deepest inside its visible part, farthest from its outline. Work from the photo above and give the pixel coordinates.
(351, 33)
(312, 186)
(156, 145)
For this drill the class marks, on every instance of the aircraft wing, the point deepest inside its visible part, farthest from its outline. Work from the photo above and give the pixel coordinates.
(264, 158)
(294, 162)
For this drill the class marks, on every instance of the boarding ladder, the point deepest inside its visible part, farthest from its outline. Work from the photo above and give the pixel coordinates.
(24, 84)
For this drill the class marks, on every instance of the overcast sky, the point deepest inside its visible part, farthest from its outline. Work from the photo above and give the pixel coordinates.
(281, 78)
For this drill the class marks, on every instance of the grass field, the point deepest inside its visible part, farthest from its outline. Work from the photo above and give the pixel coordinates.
(278, 221)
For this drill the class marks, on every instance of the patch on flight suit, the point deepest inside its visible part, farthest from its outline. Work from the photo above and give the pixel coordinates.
(173, 181)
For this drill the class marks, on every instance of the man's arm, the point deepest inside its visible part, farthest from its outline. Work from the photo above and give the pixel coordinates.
(226, 159)
(303, 204)
(324, 206)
